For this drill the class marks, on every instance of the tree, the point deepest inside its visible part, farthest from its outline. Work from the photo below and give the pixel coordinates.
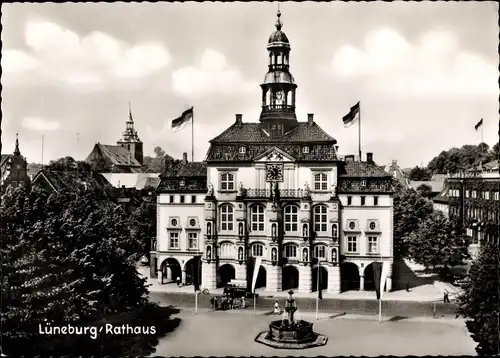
(425, 190)
(143, 221)
(410, 208)
(159, 163)
(67, 257)
(479, 302)
(419, 174)
(436, 243)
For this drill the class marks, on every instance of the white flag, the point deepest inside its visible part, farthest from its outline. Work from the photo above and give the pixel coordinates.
(383, 277)
(258, 261)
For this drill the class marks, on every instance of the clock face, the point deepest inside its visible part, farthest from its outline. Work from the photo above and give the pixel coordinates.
(274, 172)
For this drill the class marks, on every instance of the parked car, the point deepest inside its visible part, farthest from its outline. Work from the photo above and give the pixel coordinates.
(461, 282)
(238, 292)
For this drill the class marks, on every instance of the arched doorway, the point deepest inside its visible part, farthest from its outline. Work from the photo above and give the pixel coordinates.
(290, 278)
(261, 278)
(192, 265)
(225, 274)
(323, 278)
(349, 276)
(369, 282)
(170, 269)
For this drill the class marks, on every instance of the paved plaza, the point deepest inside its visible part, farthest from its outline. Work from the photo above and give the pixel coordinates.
(232, 333)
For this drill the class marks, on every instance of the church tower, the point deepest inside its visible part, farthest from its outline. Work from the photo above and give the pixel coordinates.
(278, 90)
(130, 139)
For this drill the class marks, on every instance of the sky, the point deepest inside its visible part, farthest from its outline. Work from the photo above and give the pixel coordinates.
(425, 73)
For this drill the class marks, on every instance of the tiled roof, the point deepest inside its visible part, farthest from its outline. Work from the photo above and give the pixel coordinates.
(129, 180)
(189, 169)
(441, 199)
(118, 155)
(436, 185)
(59, 179)
(152, 183)
(362, 169)
(253, 132)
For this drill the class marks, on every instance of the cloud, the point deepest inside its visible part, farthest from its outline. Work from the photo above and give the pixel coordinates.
(212, 75)
(61, 55)
(436, 65)
(40, 124)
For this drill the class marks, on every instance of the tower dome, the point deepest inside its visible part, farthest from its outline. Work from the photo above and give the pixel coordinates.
(278, 38)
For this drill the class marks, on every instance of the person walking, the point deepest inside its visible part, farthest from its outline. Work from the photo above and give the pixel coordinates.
(446, 298)
(408, 287)
(243, 305)
(277, 310)
(178, 281)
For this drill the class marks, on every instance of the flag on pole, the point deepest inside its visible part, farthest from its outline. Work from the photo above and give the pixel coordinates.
(258, 261)
(350, 117)
(479, 124)
(320, 291)
(380, 273)
(179, 122)
(196, 272)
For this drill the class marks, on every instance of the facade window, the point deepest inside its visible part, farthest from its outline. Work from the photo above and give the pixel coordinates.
(226, 249)
(372, 226)
(291, 218)
(226, 217)
(290, 251)
(372, 245)
(192, 240)
(466, 193)
(243, 150)
(319, 252)
(174, 240)
(182, 199)
(193, 199)
(320, 181)
(257, 218)
(375, 200)
(305, 150)
(363, 183)
(171, 199)
(352, 244)
(363, 200)
(182, 183)
(257, 250)
(320, 218)
(496, 195)
(227, 181)
(349, 200)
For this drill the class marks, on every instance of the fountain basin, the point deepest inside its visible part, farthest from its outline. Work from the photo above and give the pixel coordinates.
(282, 332)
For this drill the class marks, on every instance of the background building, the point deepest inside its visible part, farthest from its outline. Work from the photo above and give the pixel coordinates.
(278, 190)
(180, 204)
(14, 169)
(125, 157)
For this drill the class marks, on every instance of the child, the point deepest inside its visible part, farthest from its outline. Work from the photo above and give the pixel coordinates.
(277, 310)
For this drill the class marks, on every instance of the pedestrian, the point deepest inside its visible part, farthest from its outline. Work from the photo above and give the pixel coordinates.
(243, 305)
(277, 310)
(446, 299)
(231, 306)
(434, 310)
(178, 281)
(408, 287)
(212, 303)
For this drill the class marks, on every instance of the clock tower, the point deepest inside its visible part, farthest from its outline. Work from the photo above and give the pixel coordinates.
(278, 90)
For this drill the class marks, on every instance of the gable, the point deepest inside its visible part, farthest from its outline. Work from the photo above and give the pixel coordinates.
(275, 155)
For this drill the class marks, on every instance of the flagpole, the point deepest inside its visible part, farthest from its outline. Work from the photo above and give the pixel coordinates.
(192, 136)
(482, 132)
(380, 310)
(359, 131)
(42, 150)
(254, 304)
(195, 301)
(317, 288)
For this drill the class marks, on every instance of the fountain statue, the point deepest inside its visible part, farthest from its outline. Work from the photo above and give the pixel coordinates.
(289, 332)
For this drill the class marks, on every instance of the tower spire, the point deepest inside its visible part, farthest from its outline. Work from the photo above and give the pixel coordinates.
(16, 149)
(279, 23)
(130, 113)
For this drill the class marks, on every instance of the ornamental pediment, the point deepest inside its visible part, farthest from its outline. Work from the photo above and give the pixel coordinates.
(274, 155)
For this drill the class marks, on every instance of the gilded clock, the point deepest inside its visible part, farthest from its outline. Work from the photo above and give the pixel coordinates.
(274, 172)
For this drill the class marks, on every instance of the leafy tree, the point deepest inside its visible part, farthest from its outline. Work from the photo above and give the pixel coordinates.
(159, 163)
(67, 257)
(464, 158)
(144, 223)
(101, 165)
(479, 302)
(34, 168)
(419, 174)
(436, 243)
(495, 151)
(425, 190)
(410, 209)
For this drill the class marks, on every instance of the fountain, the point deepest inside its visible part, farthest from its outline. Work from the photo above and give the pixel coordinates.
(291, 333)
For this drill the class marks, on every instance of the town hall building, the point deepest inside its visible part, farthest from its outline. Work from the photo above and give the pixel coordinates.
(278, 190)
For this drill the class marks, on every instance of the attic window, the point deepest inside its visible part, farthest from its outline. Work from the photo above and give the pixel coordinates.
(305, 149)
(363, 182)
(182, 183)
(243, 150)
